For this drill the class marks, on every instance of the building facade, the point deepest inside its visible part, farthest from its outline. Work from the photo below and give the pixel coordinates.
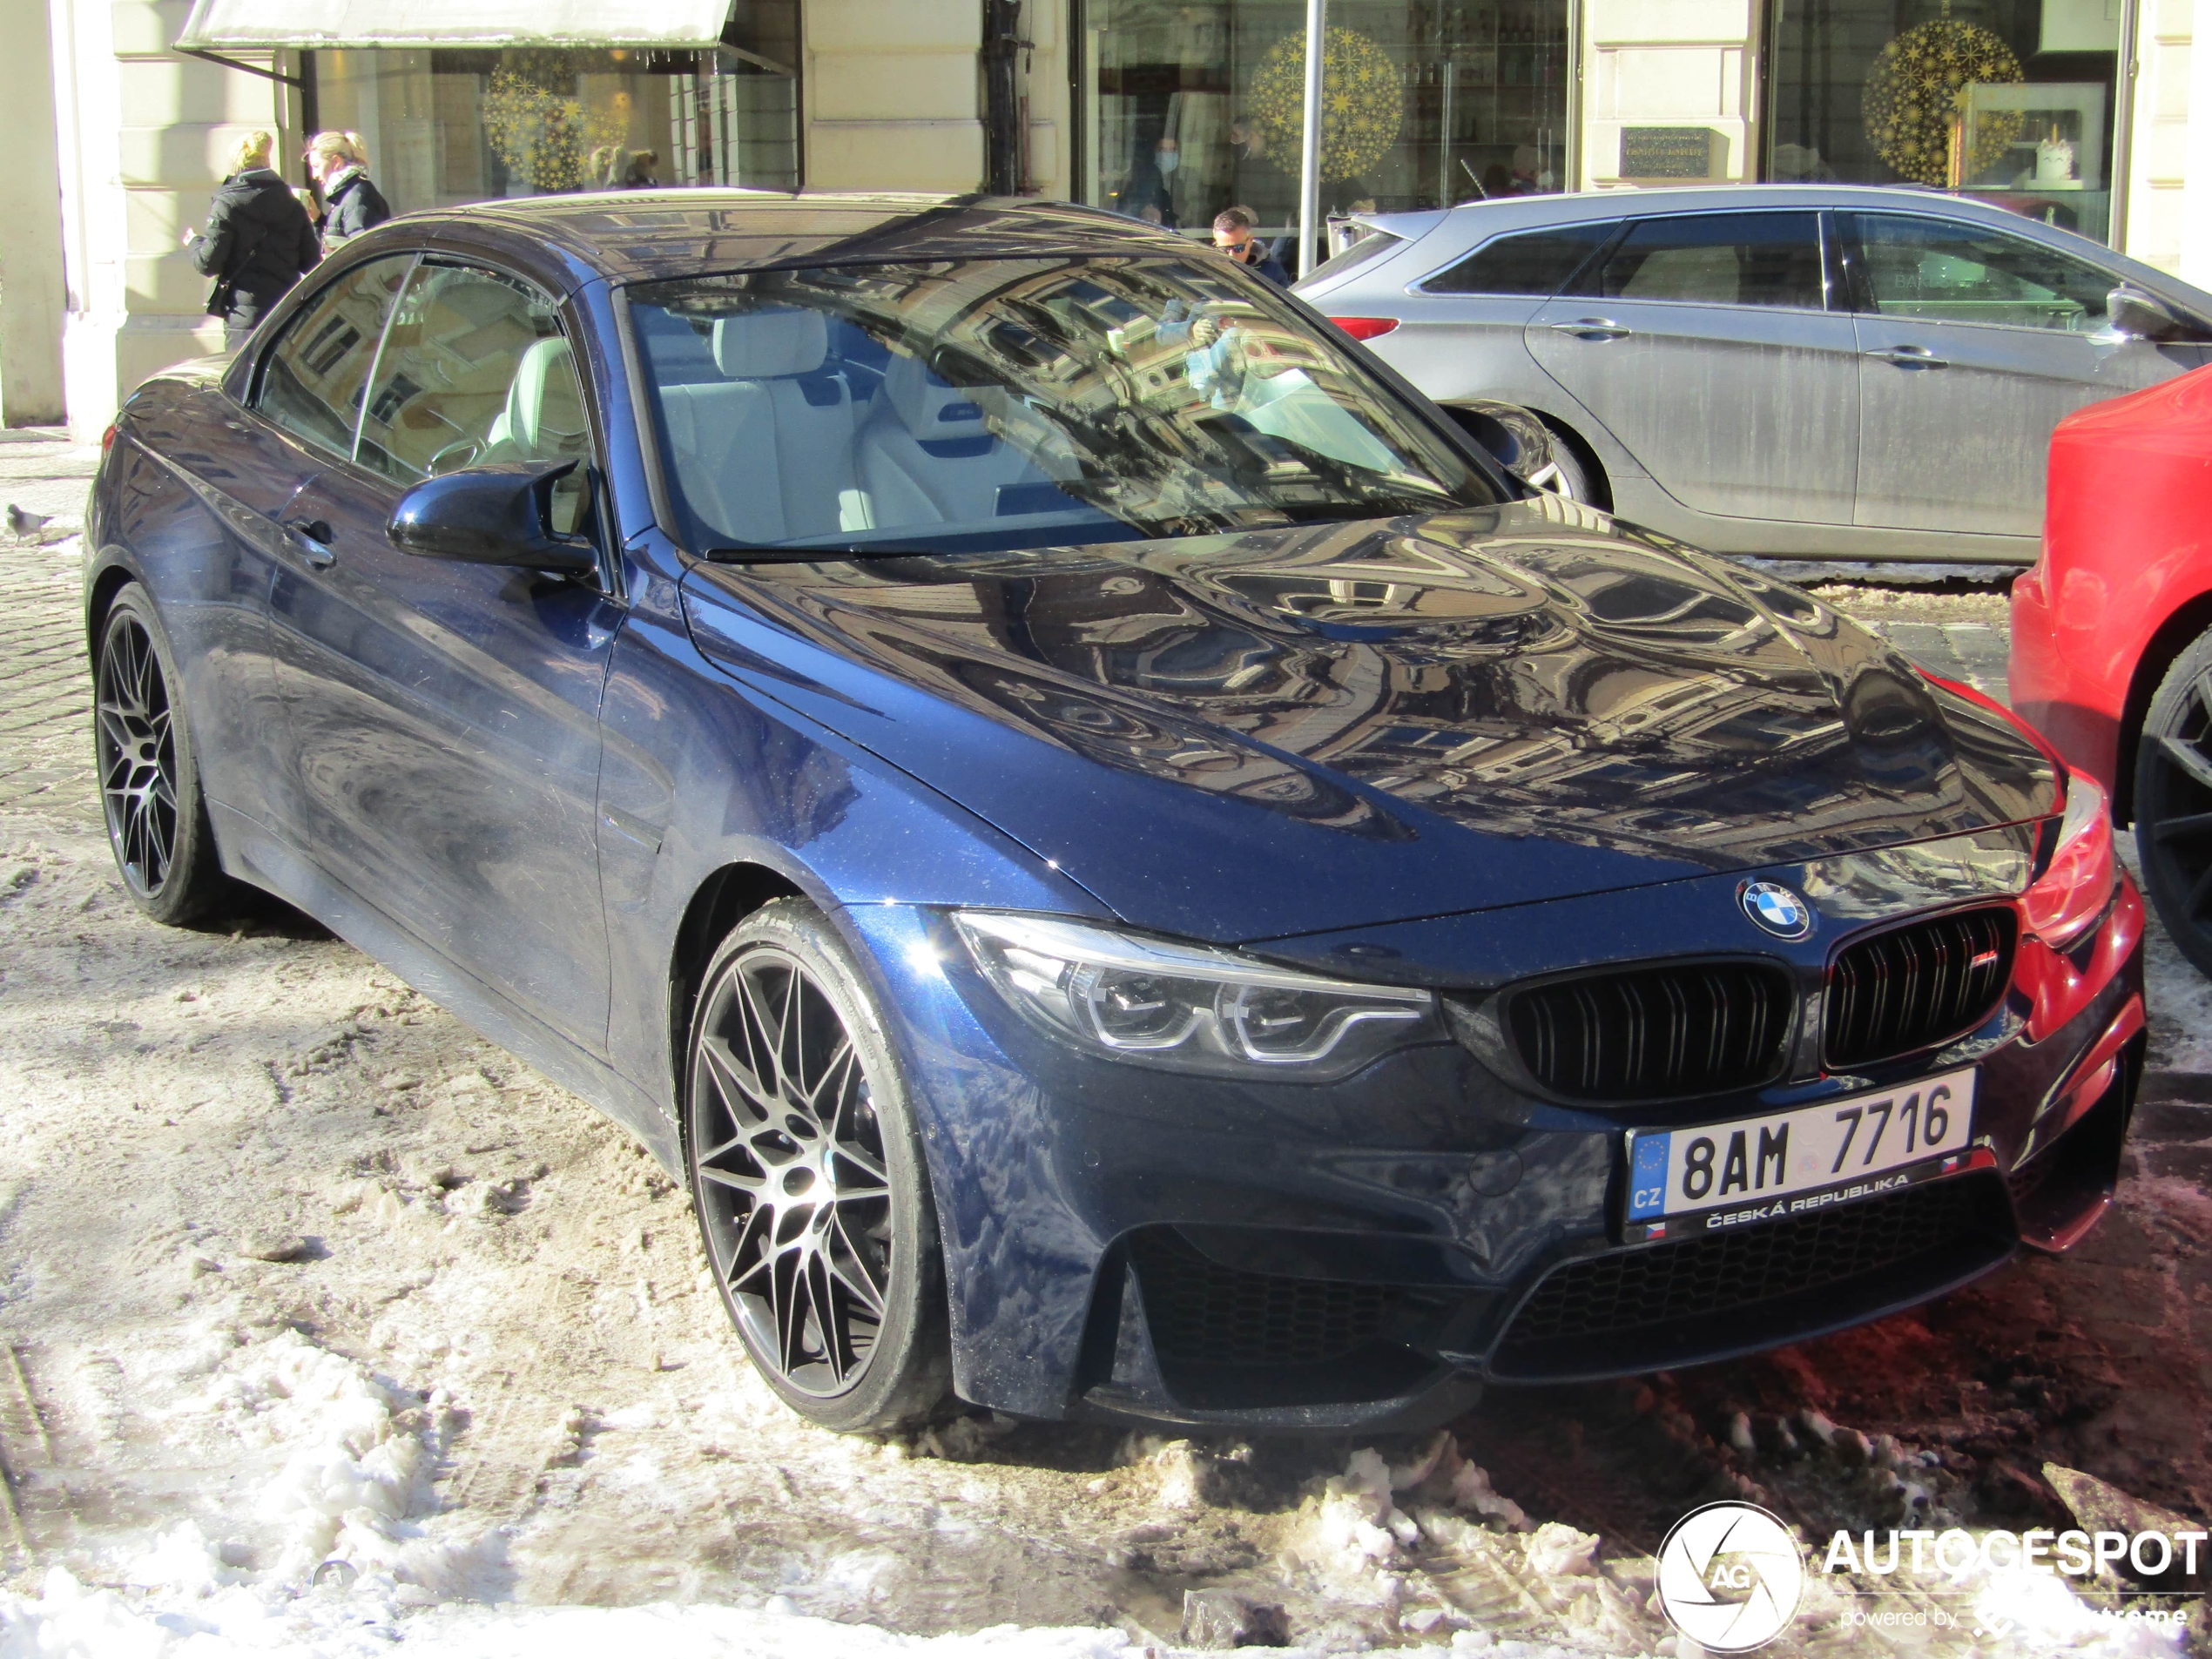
(2076, 111)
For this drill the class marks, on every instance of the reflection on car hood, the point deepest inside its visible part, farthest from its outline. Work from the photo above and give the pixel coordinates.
(1280, 731)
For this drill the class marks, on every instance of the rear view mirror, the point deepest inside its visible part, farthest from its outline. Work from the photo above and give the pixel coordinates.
(496, 515)
(2142, 316)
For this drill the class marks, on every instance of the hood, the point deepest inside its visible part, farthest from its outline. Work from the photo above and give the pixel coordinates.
(1252, 735)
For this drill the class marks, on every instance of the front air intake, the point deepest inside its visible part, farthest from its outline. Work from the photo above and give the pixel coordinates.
(1654, 1033)
(1914, 987)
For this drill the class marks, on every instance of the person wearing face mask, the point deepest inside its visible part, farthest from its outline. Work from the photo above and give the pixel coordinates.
(1149, 194)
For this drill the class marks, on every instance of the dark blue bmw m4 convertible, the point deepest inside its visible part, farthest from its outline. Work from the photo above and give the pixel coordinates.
(1133, 871)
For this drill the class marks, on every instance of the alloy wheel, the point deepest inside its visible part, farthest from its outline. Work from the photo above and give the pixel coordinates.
(2174, 815)
(137, 752)
(790, 1172)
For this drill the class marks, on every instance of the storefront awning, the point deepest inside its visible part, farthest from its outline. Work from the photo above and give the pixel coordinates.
(257, 25)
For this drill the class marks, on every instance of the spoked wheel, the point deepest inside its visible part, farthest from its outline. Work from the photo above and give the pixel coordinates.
(2173, 802)
(811, 1190)
(149, 780)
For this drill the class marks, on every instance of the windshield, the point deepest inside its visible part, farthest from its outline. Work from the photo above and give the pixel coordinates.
(1011, 403)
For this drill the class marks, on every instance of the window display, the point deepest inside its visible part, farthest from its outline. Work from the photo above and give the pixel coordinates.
(444, 126)
(2008, 100)
(1189, 109)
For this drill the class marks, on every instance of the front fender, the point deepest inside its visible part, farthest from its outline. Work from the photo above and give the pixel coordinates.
(700, 772)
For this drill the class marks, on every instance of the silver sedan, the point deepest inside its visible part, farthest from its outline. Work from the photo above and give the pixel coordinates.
(1824, 371)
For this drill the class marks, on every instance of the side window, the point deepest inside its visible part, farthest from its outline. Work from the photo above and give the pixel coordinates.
(475, 370)
(311, 384)
(1535, 262)
(1716, 259)
(1954, 272)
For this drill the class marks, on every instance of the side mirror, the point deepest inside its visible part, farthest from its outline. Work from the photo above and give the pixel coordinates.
(2142, 316)
(494, 514)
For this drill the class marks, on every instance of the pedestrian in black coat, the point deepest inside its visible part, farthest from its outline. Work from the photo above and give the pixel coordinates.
(258, 241)
(351, 202)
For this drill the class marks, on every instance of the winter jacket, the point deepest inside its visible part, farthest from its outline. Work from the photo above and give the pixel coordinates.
(260, 237)
(353, 206)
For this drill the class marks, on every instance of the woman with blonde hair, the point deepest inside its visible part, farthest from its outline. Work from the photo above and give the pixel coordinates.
(258, 241)
(339, 163)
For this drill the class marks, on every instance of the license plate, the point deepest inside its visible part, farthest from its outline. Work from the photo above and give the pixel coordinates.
(1683, 1181)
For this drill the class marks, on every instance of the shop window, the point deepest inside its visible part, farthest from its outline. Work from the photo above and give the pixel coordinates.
(2008, 100)
(1191, 108)
(447, 126)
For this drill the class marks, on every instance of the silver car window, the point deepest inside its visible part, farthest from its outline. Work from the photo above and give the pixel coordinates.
(1765, 259)
(1949, 271)
(1531, 262)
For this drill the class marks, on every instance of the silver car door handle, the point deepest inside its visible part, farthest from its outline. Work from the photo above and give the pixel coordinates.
(1594, 329)
(1907, 356)
(312, 537)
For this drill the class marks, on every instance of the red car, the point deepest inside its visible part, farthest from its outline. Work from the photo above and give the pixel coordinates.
(2112, 630)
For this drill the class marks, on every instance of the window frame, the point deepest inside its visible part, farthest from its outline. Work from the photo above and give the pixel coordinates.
(1863, 303)
(1828, 305)
(1603, 245)
(601, 521)
(257, 380)
(662, 492)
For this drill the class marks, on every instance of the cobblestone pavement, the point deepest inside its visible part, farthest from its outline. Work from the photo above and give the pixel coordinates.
(46, 692)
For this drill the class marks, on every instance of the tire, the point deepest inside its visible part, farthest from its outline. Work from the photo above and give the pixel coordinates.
(2173, 802)
(149, 772)
(790, 1087)
(1562, 473)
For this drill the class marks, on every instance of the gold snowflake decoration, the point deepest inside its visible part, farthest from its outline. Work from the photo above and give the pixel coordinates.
(1363, 101)
(1912, 96)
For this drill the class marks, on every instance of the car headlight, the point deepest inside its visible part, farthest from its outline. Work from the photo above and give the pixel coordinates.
(2074, 891)
(1187, 1007)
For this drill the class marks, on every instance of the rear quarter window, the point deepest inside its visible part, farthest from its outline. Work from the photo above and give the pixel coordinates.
(1537, 262)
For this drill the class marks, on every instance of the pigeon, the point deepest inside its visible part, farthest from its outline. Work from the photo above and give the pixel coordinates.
(23, 525)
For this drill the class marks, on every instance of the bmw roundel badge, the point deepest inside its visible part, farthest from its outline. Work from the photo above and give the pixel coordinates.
(1776, 908)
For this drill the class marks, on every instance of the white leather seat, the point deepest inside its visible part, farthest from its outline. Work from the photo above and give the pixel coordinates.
(722, 439)
(924, 455)
(766, 455)
(544, 418)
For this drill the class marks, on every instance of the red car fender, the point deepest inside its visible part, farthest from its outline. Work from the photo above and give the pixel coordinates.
(2126, 551)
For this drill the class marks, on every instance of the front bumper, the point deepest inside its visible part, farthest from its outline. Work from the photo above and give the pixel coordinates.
(1367, 1255)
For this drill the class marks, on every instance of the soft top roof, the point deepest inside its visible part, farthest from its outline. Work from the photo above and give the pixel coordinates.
(644, 236)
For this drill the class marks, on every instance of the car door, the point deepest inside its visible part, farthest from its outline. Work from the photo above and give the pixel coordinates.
(1974, 342)
(247, 475)
(444, 716)
(1707, 344)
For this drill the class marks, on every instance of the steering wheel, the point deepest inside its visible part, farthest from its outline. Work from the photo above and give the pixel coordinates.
(461, 452)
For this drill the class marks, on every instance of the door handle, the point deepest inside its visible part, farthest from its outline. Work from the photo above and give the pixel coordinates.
(1592, 328)
(1907, 356)
(312, 536)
